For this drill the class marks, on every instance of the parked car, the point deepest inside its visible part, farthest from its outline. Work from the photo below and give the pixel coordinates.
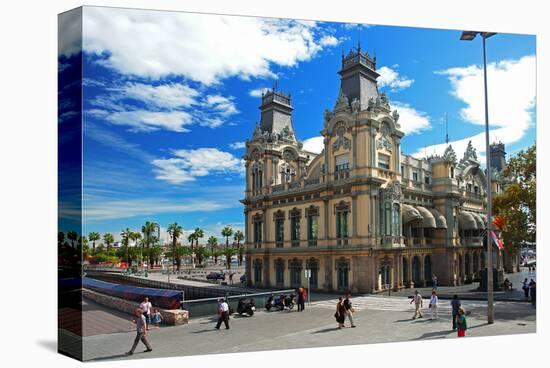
(215, 276)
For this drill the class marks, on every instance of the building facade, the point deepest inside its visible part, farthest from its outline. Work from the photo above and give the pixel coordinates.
(362, 216)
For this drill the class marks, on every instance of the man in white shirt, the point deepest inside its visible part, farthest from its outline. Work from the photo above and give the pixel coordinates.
(223, 314)
(146, 308)
(434, 301)
(417, 299)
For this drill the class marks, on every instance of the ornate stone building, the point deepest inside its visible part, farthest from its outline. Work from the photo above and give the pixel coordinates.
(361, 215)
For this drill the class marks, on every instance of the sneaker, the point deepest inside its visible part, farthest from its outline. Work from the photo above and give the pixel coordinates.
(128, 353)
(353, 326)
(147, 350)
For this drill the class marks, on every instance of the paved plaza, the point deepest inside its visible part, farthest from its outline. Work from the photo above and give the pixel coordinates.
(379, 319)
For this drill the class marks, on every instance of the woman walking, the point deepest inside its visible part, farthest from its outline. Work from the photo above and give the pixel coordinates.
(461, 323)
(340, 314)
(434, 301)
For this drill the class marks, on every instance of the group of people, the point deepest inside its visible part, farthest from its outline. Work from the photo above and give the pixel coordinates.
(145, 316)
(530, 289)
(344, 310)
(459, 315)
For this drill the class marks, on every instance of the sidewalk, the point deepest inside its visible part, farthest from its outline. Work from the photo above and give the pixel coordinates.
(470, 292)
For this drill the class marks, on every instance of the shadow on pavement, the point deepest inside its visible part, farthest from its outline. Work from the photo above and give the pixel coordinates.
(436, 334)
(326, 330)
(203, 331)
(109, 357)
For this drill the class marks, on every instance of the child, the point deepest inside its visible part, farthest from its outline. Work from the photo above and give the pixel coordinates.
(461, 322)
(157, 317)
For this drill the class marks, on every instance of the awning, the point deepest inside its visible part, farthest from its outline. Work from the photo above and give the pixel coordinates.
(428, 220)
(440, 221)
(410, 214)
(466, 221)
(479, 220)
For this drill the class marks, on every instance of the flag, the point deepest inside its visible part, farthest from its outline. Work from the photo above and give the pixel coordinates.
(498, 242)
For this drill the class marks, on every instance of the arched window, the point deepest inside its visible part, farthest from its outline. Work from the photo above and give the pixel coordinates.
(342, 269)
(313, 265)
(295, 267)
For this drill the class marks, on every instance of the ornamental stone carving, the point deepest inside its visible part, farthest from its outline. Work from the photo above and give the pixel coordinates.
(342, 103)
(384, 143)
(341, 140)
(449, 155)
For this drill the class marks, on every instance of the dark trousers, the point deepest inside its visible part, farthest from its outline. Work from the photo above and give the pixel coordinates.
(526, 292)
(140, 336)
(533, 296)
(455, 316)
(224, 317)
(301, 304)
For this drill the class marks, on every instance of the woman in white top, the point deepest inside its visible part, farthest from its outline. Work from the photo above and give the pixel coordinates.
(433, 305)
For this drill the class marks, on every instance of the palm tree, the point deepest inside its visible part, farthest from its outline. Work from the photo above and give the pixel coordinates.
(108, 239)
(239, 237)
(148, 229)
(126, 235)
(227, 232)
(199, 233)
(72, 236)
(202, 253)
(93, 237)
(175, 232)
(212, 242)
(229, 253)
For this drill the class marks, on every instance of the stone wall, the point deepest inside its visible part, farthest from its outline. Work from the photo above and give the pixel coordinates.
(170, 317)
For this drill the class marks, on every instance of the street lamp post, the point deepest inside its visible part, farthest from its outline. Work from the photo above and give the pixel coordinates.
(469, 36)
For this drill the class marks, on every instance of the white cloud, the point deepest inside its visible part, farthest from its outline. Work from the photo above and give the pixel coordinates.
(410, 119)
(390, 78)
(148, 121)
(314, 144)
(117, 209)
(511, 92)
(186, 165)
(237, 145)
(349, 26)
(329, 40)
(201, 47)
(173, 95)
(257, 92)
(223, 105)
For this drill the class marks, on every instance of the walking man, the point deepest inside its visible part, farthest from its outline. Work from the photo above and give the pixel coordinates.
(417, 299)
(301, 298)
(533, 292)
(349, 309)
(223, 314)
(434, 300)
(146, 309)
(141, 329)
(525, 288)
(455, 305)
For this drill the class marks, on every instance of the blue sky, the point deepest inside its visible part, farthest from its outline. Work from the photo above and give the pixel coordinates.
(169, 99)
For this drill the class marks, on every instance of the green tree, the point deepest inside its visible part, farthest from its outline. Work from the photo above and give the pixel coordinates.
(216, 253)
(239, 237)
(227, 232)
(126, 235)
(148, 230)
(155, 253)
(72, 236)
(517, 204)
(212, 243)
(201, 253)
(175, 232)
(229, 253)
(108, 239)
(93, 237)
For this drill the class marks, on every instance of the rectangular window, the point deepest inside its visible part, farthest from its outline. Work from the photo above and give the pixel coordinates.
(476, 189)
(426, 179)
(342, 224)
(312, 229)
(415, 176)
(279, 232)
(469, 187)
(403, 171)
(295, 230)
(384, 161)
(257, 232)
(342, 162)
